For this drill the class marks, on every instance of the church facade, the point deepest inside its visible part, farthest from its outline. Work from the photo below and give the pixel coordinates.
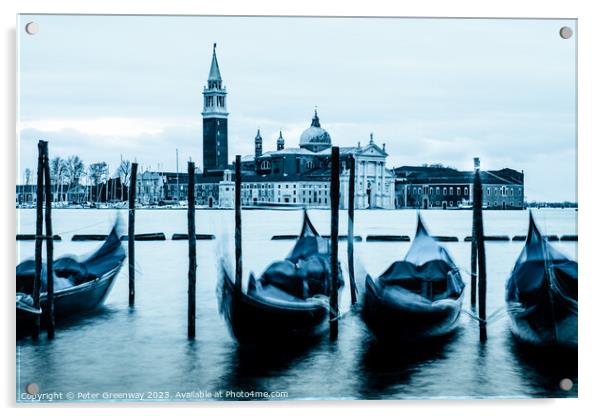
(300, 176)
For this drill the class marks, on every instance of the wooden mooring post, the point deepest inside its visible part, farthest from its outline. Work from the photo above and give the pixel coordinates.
(480, 240)
(191, 253)
(238, 227)
(334, 243)
(49, 244)
(131, 234)
(473, 249)
(37, 280)
(350, 237)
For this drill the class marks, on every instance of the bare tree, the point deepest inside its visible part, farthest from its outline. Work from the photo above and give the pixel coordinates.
(74, 170)
(57, 175)
(123, 172)
(98, 172)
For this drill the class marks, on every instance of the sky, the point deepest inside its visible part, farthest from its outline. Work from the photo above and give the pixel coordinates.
(434, 90)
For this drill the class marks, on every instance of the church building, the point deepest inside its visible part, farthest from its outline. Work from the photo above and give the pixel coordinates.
(301, 175)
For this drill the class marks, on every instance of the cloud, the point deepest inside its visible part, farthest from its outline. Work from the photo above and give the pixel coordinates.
(104, 126)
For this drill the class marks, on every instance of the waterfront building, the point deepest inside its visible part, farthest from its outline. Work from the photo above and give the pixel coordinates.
(436, 186)
(150, 187)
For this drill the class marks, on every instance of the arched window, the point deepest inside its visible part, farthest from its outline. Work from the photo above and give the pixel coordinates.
(265, 165)
(309, 164)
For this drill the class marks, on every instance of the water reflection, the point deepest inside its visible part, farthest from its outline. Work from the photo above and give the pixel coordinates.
(70, 323)
(253, 368)
(544, 368)
(386, 367)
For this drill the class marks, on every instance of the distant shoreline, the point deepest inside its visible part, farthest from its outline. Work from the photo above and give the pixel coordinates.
(295, 208)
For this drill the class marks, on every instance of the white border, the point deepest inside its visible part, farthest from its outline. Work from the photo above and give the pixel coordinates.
(590, 34)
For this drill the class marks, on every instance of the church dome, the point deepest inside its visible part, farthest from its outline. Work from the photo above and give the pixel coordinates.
(315, 138)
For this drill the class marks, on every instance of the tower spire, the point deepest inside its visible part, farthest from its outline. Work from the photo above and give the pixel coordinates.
(280, 142)
(214, 74)
(258, 144)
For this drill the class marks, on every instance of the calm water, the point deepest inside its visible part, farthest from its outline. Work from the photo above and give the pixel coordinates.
(145, 349)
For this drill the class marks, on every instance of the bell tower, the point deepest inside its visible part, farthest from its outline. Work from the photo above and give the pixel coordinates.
(215, 121)
(280, 142)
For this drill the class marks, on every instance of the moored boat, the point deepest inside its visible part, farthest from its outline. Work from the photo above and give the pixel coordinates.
(80, 285)
(289, 301)
(417, 298)
(541, 294)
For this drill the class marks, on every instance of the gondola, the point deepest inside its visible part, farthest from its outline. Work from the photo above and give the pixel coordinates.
(289, 301)
(80, 286)
(541, 294)
(417, 298)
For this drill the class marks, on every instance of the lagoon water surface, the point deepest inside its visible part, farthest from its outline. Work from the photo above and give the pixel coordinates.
(118, 351)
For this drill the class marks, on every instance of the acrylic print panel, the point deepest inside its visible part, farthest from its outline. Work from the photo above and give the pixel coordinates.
(134, 126)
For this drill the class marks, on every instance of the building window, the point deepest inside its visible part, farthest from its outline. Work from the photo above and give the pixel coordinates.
(451, 190)
(466, 190)
(488, 191)
(430, 191)
(444, 191)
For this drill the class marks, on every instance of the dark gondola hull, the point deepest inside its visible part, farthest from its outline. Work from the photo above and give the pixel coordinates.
(253, 320)
(551, 323)
(73, 301)
(542, 294)
(407, 317)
